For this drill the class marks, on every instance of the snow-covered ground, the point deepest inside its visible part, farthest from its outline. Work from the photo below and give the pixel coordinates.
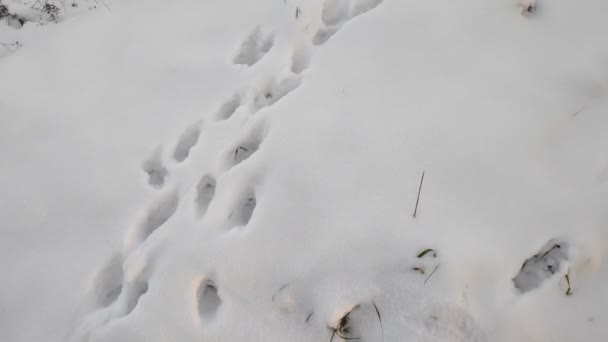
(237, 170)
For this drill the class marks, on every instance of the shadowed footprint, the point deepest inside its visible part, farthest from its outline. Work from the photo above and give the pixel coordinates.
(247, 146)
(108, 282)
(363, 6)
(335, 12)
(187, 140)
(153, 166)
(242, 153)
(244, 150)
(205, 192)
(300, 59)
(160, 213)
(323, 34)
(242, 214)
(254, 47)
(208, 299)
(275, 90)
(134, 293)
(229, 107)
(541, 266)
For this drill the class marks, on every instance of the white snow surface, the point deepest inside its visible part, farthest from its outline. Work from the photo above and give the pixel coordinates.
(237, 170)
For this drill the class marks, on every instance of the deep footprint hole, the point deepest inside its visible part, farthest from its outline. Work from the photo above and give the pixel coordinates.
(135, 292)
(243, 152)
(323, 34)
(254, 47)
(154, 168)
(245, 149)
(300, 59)
(205, 191)
(335, 12)
(208, 299)
(228, 108)
(275, 90)
(541, 266)
(159, 214)
(243, 212)
(187, 140)
(364, 6)
(108, 282)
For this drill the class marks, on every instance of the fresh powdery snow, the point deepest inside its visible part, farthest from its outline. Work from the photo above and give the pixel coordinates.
(304, 170)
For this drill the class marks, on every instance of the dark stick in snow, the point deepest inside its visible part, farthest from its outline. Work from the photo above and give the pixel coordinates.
(379, 318)
(308, 317)
(418, 198)
(427, 278)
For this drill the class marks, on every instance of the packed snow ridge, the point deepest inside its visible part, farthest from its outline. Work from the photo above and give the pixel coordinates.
(320, 170)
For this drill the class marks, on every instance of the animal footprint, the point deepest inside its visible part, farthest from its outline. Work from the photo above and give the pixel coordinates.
(275, 90)
(254, 47)
(205, 192)
(133, 294)
(247, 147)
(208, 299)
(363, 6)
(242, 153)
(108, 282)
(242, 214)
(335, 12)
(153, 166)
(323, 34)
(541, 266)
(300, 59)
(160, 213)
(229, 107)
(244, 150)
(187, 140)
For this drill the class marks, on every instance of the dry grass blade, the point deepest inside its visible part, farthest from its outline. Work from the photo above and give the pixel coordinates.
(427, 278)
(379, 318)
(342, 328)
(427, 251)
(569, 289)
(308, 317)
(236, 152)
(418, 269)
(279, 290)
(418, 197)
(332, 335)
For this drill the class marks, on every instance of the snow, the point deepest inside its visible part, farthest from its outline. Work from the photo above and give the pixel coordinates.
(238, 170)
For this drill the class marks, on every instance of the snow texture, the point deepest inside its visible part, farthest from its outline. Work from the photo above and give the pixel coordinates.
(248, 170)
